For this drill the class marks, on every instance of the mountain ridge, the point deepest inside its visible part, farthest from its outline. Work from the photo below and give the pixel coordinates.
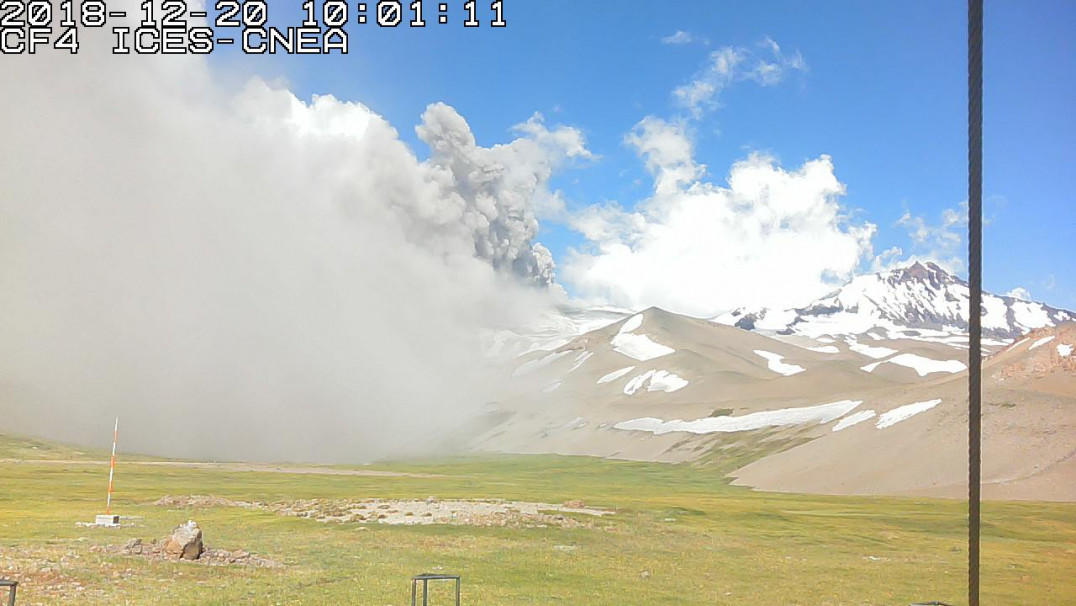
(855, 414)
(911, 301)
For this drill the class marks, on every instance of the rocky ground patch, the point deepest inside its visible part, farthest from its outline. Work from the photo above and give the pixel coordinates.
(185, 543)
(488, 512)
(155, 550)
(44, 574)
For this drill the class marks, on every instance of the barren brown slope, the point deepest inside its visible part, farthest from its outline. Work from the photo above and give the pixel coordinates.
(1029, 436)
(557, 404)
(714, 384)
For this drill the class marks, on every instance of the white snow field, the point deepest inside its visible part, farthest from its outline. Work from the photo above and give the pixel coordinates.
(921, 365)
(904, 412)
(638, 347)
(826, 349)
(871, 352)
(778, 365)
(655, 380)
(854, 419)
(1030, 315)
(616, 374)
(1041, 342)
(822, 413)
(667, 382)
(1064, 350)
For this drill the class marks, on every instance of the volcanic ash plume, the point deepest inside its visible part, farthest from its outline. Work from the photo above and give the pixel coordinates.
(240, 274)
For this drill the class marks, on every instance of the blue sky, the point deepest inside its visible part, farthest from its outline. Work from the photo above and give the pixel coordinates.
(883, 94)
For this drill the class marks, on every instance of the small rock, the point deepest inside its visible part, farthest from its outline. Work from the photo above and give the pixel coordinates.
(575, 504)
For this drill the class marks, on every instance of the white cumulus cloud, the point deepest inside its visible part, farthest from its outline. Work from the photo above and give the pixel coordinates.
(768, 237)
(1019, 293)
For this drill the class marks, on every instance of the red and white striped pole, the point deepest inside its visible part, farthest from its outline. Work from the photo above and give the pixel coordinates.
(112, 465)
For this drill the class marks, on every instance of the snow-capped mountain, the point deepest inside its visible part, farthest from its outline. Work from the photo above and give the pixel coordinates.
(855, 414)
(918, 300)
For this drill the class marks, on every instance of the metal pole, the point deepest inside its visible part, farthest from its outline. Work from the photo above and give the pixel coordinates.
(457, 591)
(975, 279)
(112, 466)
(425, 591)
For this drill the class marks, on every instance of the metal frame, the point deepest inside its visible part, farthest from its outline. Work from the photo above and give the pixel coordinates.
(12, 586)
(426, 578)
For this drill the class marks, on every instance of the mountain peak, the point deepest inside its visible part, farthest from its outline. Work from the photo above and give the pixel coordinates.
(928, 272)
(914, 299)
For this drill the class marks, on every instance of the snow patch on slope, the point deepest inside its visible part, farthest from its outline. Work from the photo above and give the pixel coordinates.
(655, 380)
(580, 359)
(1041, 342)
(616, 374)
(667, 382)
(636, 383)
(871, 352)
(921, 365)
(777, 364)
(854, 419)
(632, 324)
(1030, 315)
(822, 413)
(1064, 350)
(638, 347)
(904, 412)
(870, 367)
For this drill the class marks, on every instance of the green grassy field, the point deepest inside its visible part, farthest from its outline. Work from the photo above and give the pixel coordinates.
(681, 535)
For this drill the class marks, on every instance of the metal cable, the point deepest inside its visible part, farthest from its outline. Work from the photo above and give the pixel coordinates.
(975, 279)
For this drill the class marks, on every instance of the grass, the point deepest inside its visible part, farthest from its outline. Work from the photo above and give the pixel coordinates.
(681, 535)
